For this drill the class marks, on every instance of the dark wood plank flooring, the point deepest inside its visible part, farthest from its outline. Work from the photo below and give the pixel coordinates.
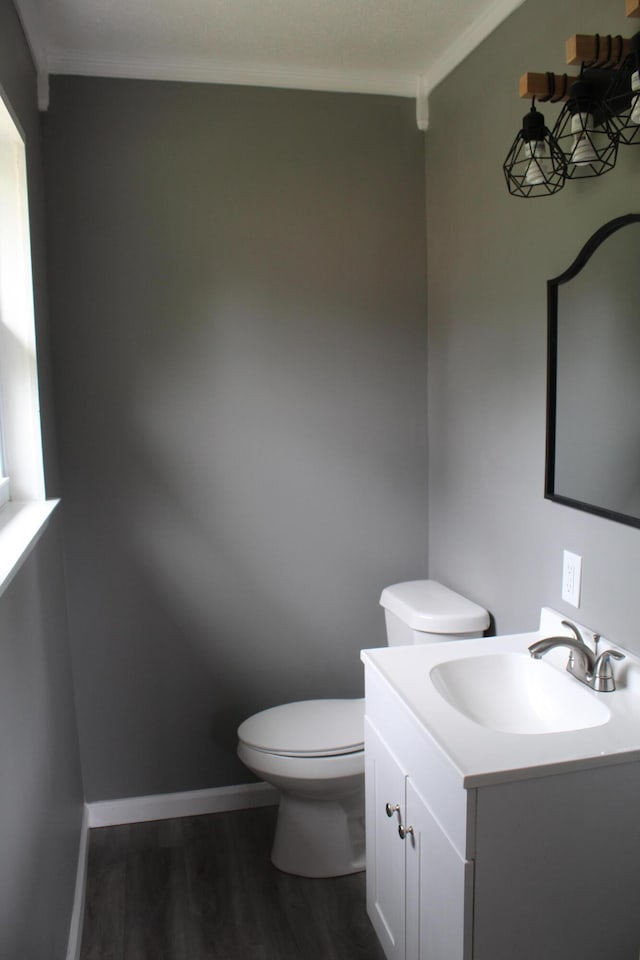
(204, 888)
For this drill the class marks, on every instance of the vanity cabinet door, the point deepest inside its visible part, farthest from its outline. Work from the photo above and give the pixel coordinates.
(385, 784)
(439, 885)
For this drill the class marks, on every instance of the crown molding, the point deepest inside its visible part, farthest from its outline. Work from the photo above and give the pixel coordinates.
(459, 50)
(422, 103)
(30, 16)
(340, 81)
(389, 84)
(466, 43)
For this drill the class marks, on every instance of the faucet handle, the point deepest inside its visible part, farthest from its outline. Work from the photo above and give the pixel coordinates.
(574, 630)
(603, 679)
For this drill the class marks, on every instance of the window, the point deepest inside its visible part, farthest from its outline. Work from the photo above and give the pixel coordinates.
(4, 479)
(23, 509)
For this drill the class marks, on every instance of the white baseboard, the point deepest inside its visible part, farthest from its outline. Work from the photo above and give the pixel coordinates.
(164, 806)
(77, 913)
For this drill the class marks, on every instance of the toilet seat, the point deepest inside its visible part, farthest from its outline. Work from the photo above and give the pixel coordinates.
(307, 728)
(316, 773)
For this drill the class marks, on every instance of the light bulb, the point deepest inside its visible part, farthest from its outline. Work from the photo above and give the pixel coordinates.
(538, 170)
(582, 152)
(635, 103)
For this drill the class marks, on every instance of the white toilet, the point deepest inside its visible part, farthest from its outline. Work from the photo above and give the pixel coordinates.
(313, 750)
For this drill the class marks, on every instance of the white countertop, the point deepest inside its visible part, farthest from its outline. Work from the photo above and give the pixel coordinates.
(482, 756)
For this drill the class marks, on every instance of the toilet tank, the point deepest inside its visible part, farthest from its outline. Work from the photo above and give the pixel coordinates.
(425, 611)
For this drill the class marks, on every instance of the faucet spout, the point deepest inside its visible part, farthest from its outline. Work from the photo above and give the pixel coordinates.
(583, 664)
(581, 659)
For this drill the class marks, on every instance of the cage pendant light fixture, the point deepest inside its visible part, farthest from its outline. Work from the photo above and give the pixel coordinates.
(622, 100)
(535, 165)
(601, 112)
(583, 130)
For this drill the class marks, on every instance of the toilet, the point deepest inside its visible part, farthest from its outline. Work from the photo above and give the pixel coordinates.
(312, 751)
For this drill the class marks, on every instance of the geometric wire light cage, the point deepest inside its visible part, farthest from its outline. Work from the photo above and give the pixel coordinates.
(622, 100)
(601, 111)
(584, 132)
(535, 165)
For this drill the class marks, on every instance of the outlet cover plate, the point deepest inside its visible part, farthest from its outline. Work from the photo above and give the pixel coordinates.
(571, 578)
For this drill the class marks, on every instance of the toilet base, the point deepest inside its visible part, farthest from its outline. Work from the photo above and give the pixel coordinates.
(320, 828)
(320, 838)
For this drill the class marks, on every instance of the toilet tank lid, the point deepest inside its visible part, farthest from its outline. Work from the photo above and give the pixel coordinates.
(430, 607)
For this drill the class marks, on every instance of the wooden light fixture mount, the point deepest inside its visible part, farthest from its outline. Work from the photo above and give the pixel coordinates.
(600, 112)
(592, 51)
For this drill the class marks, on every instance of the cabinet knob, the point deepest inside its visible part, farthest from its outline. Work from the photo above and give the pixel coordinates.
(404, 831)
(391, 808)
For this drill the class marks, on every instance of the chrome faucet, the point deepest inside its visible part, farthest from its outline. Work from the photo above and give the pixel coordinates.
(582, 663)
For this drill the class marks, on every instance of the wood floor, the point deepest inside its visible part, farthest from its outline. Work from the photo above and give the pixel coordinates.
(204, 888)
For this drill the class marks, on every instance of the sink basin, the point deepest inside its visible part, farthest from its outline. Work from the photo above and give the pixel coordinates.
(513, 693)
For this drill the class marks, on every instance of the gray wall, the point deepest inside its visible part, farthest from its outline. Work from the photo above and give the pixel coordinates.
(238, 306)
(238, 311)
(491, 533)
(41, 793)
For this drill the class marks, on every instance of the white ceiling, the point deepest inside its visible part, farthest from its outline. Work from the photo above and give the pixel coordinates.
(365, 46)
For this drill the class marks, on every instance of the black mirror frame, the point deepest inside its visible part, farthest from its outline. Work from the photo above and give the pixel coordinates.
(552, 364)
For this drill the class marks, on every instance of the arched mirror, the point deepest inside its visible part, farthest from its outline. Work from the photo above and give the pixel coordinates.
(593, 377)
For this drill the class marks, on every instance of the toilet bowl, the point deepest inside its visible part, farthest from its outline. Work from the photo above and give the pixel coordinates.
(312, 751)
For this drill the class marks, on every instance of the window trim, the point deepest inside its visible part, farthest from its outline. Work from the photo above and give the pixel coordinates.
(24, 511)
(21, 526)
(5, 491)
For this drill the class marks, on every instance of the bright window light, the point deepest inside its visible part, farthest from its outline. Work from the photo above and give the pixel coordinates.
(21, 450)
(23, 509)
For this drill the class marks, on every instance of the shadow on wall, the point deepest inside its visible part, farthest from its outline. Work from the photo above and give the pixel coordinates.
(239, 302)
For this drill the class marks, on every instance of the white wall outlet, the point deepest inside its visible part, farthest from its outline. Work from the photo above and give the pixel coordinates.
(571, 578)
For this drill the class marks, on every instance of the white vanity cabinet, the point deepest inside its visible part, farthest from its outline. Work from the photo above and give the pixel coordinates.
(386, 888)
(439, 887)
(538, 864)
(419, 883)
(417, 879)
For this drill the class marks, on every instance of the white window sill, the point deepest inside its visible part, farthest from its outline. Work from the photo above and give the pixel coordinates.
(21, 526)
